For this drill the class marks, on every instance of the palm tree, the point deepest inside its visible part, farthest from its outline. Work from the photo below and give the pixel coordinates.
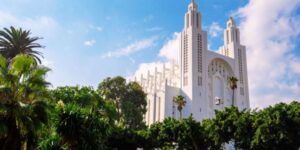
(23, 111)
(17, 41)
(232, 81)
(180, 102)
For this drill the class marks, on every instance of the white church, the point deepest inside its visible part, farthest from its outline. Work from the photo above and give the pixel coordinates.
(201, 76)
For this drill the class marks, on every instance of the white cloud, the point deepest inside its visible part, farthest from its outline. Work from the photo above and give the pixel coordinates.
(132, 48)
(215, 29)
(295, 66)
(170, 51)
(40, 24)
(268, 29)
(171, 48)
(89, 43)
(47, 63)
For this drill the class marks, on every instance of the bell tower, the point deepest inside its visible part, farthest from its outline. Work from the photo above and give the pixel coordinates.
(193, 51)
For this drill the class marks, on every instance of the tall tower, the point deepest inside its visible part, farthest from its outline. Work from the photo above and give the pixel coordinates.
(193, 52)
(233, 48)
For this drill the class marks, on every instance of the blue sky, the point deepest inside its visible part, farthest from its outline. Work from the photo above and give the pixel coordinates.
(88, 40)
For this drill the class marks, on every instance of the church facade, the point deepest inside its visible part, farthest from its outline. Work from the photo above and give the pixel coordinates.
(201, 76)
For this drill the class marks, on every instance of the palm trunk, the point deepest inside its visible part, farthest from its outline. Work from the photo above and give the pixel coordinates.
(24, 145)
(180, 113)
(194, 143)
(232, 97)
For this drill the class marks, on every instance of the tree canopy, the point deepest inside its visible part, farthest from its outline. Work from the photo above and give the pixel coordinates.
(18, 41)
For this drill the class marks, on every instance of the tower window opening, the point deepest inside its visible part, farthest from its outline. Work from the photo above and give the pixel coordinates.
(188, 20)
(240, 66)
(199, 50)
(200, 81)
(197, 20)
(242, 90)
(159, 101)
(227, 38)
(185, 54)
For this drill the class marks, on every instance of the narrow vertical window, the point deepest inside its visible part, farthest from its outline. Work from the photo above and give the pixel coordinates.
(200, 81)
(148, 111)
(237, 35)
(188, 20)
(193, 19)
(199, 50)
(159, 101)
(173, 108)
(227, 37)
(185, 54)
(240, 66)
(242, 90)
(197, 20)
(154, 108)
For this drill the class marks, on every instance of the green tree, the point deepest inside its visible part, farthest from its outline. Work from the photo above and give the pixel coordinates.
(232, 81)
(191, 135)
(164, 134)
(18, 41)
(129, 99)
(180, 102)
(212, 139)
(85, 97)
(114, 89)
(82, 128)
(230, 125)
(23, 91)
(134, 106)
(82, 96)
(277, 127)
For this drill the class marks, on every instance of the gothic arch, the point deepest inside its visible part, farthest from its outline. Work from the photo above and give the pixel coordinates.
(221, 66)
(219, 93)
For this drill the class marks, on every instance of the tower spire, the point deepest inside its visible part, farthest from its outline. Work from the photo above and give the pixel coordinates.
(193, 5)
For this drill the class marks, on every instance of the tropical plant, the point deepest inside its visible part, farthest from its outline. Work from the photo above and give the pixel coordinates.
(180, 102)
(23, 110)
(82, 128)
(232, 81)
(82, 96)
(18, 41)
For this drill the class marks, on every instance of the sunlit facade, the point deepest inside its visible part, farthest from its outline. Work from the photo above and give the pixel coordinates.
(201, 76)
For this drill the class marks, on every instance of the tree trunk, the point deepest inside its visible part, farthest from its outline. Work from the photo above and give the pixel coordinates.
(180, 116)
(232, 97)
(24, 145)
(194, 143)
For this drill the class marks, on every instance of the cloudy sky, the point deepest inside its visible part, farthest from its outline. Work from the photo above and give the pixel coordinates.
(88, 40)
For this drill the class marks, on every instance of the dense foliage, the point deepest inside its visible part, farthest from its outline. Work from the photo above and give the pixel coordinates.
(128, 98)
(32, 116)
